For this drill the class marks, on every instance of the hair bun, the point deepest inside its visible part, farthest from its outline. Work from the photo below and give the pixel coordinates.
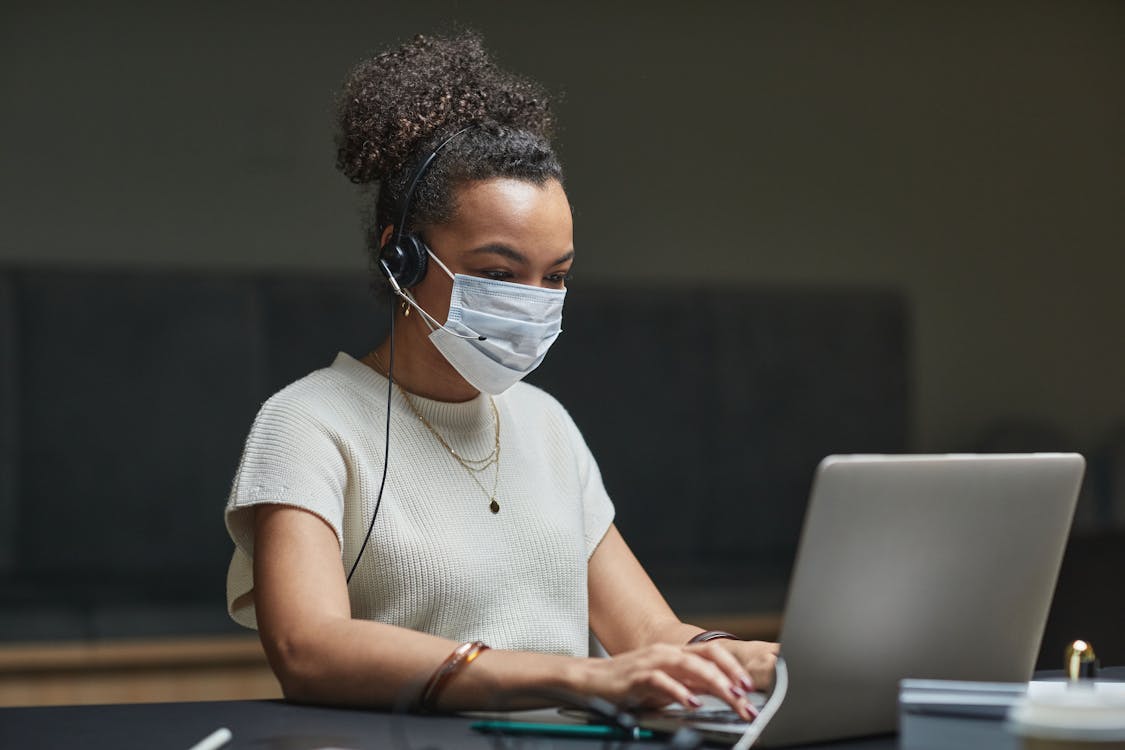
(400, 100)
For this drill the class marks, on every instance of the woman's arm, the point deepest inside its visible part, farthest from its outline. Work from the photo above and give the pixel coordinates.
(626, 609)
(321, 655)
(628, 612)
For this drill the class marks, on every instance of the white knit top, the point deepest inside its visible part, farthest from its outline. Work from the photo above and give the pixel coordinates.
(438, 560)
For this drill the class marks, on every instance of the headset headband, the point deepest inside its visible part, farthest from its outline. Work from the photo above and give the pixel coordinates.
(406, 199)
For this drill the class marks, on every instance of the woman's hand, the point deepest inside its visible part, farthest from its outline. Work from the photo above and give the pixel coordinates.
(653, 676)
(758, 658)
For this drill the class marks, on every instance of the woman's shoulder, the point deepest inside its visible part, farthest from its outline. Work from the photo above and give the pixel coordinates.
(530, 402)
(525, 395)
(336, 390)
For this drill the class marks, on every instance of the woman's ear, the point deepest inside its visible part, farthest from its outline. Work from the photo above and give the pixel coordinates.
(386, 235)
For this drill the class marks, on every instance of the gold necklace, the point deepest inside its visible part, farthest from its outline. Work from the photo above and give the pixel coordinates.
(471, 465)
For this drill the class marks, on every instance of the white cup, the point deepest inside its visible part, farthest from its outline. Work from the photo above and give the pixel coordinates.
(1070, 716)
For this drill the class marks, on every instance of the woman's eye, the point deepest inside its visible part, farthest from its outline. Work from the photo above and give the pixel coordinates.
(504, 274)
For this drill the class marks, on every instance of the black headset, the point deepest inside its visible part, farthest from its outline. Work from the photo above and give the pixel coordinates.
(403, 261)
(403, 258)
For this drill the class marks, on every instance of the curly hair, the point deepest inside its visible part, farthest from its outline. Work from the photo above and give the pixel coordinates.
(396, 107)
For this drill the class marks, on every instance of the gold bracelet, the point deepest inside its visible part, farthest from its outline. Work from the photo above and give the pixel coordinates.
(461, 657)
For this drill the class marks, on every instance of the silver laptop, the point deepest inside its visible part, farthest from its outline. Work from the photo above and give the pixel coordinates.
(913, 566)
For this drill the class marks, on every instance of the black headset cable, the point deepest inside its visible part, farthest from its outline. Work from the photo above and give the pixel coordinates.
(386, 446)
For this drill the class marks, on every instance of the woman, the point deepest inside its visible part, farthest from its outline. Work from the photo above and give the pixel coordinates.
(491, 526)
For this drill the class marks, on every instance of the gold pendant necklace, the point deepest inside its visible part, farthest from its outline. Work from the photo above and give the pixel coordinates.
(472, 465)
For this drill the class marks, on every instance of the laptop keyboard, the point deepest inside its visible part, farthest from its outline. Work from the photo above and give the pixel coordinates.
(715, 715)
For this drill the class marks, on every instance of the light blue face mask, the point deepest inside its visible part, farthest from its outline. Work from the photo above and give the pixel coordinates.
(518, 324)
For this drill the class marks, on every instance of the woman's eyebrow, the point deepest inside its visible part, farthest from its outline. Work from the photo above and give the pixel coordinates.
(512, 254)
(505, 251)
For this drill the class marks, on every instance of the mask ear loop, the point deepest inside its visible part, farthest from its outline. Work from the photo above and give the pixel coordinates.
(437, 260)
(407, 297)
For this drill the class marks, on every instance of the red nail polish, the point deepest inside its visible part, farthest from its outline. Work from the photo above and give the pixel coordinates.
(736, 691)
(747, 683)
(694, 702)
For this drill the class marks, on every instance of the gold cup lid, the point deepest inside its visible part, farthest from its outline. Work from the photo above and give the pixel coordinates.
(1081, 662)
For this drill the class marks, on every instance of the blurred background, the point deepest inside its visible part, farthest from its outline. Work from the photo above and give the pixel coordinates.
(802, 228)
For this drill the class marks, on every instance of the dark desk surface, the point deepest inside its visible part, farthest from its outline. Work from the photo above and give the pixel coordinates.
(276, 725)
(268, 725)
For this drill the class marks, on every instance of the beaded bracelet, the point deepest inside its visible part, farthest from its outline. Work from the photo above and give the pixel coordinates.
(711, 635)
(461, 657)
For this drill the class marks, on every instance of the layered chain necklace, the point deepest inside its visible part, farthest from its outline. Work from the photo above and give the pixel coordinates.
(474, 466)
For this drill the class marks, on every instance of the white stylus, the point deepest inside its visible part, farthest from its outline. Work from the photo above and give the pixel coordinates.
(213, 741)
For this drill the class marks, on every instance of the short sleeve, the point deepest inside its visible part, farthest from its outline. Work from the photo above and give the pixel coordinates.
(597, 508)
(290, 458)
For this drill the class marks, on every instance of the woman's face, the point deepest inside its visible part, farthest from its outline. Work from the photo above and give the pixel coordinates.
(503, 228)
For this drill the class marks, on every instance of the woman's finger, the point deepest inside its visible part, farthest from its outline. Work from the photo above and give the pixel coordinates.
(703, 675)
(758, 659)
(663, 687)
(727, 662)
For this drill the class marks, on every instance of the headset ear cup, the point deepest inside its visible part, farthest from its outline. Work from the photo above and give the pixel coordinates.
(417, 257)
(406, 260)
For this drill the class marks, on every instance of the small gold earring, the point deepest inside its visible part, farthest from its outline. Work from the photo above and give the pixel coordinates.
(405, 309)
